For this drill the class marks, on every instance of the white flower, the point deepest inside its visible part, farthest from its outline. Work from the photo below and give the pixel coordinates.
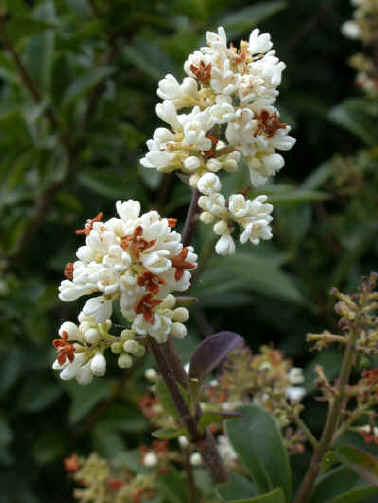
(217, 40)
(209, 183)
(181, 95)
(99, 308)
(225, 245)
(259, 42)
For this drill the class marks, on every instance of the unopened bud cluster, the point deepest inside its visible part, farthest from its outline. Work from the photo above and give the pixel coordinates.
(229, 117)
(358, 319)
(266, 378)
(364, 26)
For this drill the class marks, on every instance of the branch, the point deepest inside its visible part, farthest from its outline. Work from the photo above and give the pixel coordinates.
(191, 221)
(205, 443)
(327, 438)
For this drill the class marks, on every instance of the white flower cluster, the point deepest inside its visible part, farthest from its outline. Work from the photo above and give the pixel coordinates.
(363, 26)
(253, 217)
(136, 261)
(231, 95)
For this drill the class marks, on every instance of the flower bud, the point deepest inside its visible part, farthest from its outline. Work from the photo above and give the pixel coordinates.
(150, 374)
(125, 361)
(130, 346)
(220, 227)
(92, 336)
(180, 314)
(195, 459)
(183, 441)
(150, 460)
(225, 245)
(206, 217)
(98, 365)
(178, 330)
(116, 347)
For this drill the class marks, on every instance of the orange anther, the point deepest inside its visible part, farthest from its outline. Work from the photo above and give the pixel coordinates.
(89, 224)
(68, 270)
(145, 306)
(202, 72)
(71, 464)
(268, 123)
(180, 264)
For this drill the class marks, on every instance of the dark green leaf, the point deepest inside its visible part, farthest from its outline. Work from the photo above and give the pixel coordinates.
(361, 462)
(333, 483)
(40, 49)
(84, 398)
(257, 440)
(246, 271)
(86, 82)
(356, 495)
(247, 18)
(149, 58)
(164, 396)
(168, 433)
(173, 487)
(275, 496)
(236, 487)
(358, 116)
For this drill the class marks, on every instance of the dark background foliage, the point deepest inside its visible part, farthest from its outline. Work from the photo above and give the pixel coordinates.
(70, 140)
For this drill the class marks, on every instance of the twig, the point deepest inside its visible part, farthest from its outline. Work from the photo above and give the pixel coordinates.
(190, 221)
(193, 496)
(326, 440)
(205, 443)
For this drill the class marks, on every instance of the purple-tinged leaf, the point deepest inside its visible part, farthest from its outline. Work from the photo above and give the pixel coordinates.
(359, 461)
(211, 352)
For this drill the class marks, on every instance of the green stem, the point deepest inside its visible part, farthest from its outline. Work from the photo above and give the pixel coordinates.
(327, 437)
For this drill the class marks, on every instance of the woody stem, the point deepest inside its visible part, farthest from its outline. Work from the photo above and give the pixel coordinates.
(191, 221)
(204, 442)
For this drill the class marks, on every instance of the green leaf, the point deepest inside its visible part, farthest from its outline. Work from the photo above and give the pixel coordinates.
(164, 396)
(361, 462)
(149, 58)
(236, 487)
(40, 50)
(289, 195)
(173, 487)
(84, 398)
(6, 434)
(168, 433)
(245, 19)
(275, 496)
(37, 394)
(358, 116)
(257, 440)
(111, 184)
(246, 271)
(20, 27)
(356, 495)
(86, 82)
(334, 482)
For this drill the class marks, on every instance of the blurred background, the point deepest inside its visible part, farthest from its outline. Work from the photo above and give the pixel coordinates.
(78, 85)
